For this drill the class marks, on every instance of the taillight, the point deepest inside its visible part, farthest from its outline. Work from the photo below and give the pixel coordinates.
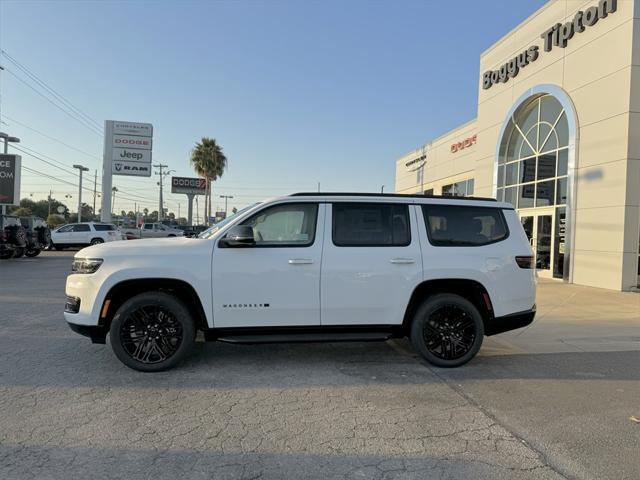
(525, 261)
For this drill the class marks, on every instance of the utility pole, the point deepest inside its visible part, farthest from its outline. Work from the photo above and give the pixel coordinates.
(162, 174)
(81, 169)
(226, 198)
(49, 203)
(382, 189)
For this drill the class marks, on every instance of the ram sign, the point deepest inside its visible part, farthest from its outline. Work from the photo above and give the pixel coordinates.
(10, 179)
(188, 185)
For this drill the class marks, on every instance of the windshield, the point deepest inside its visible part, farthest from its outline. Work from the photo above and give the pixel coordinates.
(209, 232)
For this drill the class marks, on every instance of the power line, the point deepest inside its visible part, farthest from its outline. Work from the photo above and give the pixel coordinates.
(57, 95)
(75, 117)
(50, 137)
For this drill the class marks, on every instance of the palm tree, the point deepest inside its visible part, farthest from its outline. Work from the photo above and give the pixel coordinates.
(209, 162)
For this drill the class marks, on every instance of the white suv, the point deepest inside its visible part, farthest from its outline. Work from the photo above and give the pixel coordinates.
(313, 267)
(84, 234)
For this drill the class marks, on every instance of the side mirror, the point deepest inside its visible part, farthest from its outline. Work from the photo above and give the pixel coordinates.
(238, 236)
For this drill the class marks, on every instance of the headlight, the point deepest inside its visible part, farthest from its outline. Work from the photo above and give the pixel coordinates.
(85, 265)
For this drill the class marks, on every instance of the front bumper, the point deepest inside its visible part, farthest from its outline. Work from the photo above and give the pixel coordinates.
(495, 325)
(97, 333)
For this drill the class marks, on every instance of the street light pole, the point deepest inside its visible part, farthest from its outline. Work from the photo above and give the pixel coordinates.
(226, 198)
(80, 169)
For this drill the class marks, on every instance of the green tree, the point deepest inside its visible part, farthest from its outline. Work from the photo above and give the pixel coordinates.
(54, 220)
(21, 212)
(209, 162)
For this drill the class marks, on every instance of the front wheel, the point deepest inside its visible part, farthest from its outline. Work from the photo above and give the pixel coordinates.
(447, 330)
(34, 252)
(152, 331)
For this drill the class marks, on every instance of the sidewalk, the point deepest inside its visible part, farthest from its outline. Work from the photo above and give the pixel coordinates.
(573, 318)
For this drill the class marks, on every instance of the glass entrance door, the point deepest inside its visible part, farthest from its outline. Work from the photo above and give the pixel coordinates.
(540, 231)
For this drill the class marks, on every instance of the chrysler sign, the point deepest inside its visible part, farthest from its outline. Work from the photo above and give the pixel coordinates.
(557, 35)
(10, 179)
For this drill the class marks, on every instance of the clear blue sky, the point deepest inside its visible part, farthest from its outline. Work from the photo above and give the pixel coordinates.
(295, 92)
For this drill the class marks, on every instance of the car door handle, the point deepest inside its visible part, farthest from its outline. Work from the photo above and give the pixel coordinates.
(300, 261)
(402, 261)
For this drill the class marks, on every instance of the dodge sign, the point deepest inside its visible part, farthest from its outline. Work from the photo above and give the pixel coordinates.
(195, 186)
(10, 179)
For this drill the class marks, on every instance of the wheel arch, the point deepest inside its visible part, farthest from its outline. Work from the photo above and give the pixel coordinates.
(122, 291)
(472, 290)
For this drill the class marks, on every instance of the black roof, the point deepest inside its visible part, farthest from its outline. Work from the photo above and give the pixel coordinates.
(387, 195)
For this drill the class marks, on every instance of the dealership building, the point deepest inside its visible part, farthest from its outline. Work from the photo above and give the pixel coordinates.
(557, 134)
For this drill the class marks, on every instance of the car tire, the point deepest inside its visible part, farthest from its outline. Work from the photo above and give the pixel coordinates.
(19, 252)
(6, 255)
(34, 252)
(96, 241)
(157, 314)
(447, 330)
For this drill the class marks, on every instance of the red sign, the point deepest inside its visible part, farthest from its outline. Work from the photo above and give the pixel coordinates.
(467, 142)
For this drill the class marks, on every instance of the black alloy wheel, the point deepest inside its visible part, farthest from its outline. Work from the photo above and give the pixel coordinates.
(447, 330)
(152, 331)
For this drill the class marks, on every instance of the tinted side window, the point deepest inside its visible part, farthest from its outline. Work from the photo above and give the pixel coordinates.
(81, 228)
(459, 226)
(104, 228)
(286, 225)
(148, 226)
(370, 224)
(66, 228)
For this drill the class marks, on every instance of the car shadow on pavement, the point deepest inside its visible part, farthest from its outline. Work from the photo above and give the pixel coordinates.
(70, 361)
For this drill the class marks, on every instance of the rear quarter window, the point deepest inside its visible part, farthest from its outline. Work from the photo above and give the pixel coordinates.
(104, 228)
(464, 226)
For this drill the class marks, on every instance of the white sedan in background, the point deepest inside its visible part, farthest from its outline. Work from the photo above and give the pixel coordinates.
(84, 234)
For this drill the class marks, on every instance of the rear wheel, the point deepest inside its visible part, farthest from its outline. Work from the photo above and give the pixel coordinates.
(34, 252)
(96, 241)
(152, 331)
(447, 330)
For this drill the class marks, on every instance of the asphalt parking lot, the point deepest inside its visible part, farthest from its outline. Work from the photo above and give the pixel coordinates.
(551, 401)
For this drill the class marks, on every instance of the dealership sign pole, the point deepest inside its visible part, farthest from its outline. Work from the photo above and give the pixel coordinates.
(190, 187)
(127, 152)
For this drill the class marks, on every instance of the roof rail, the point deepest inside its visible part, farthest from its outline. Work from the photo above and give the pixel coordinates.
(387, 195)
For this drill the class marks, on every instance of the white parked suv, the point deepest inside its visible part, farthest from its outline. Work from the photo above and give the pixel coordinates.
(84, 234)
(443, 271)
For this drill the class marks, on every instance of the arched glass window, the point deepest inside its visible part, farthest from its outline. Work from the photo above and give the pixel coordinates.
(533, 156)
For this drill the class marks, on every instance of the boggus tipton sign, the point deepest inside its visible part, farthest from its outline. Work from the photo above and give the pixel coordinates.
(558, 35)
(10, 179)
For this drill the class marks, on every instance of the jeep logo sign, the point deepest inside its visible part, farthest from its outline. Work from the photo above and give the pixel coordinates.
(127, 154)
(10, 179)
